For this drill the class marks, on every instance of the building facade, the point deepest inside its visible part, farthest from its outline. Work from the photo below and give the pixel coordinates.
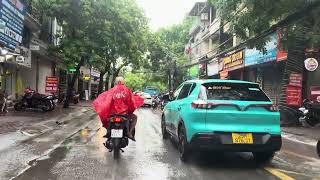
(286, 79)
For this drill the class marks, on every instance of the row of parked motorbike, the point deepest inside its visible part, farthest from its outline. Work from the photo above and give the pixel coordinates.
(33, 100)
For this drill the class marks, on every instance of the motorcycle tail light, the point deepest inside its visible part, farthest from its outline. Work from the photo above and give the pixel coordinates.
(117, 119)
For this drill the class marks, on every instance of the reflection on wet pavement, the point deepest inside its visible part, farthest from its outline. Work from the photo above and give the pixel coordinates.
(83, 156)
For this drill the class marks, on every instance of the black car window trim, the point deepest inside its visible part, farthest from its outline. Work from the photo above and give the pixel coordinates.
(188, 91)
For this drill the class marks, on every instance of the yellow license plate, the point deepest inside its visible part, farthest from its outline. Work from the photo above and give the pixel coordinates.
(242, 138)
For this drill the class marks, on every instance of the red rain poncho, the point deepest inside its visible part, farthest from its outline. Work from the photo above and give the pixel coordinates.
(118, 100)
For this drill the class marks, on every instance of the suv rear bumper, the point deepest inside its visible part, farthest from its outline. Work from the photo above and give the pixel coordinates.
(222, 141)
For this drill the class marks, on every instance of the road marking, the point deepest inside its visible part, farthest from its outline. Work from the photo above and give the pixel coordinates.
(278, 173)
(300, 155)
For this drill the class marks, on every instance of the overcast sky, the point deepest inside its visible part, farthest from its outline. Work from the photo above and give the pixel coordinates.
(162, 13)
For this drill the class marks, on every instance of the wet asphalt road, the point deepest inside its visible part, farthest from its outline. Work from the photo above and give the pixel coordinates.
(82, 156)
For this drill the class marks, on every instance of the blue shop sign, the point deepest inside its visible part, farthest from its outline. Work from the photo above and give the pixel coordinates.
(254, 56)
(12, 14)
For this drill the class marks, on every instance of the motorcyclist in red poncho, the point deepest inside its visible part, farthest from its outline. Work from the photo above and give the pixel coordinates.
(118, 100)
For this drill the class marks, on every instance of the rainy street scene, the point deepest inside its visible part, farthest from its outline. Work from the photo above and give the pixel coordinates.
(159, 89)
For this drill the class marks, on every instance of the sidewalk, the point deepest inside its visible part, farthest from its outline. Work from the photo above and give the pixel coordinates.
(302, 136)
(311, 133)
(14, 121)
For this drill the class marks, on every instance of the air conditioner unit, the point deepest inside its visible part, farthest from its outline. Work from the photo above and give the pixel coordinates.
(20, 59)
(204, 17)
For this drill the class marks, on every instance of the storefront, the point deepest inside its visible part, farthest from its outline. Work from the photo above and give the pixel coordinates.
(262, 67)
(233, 64)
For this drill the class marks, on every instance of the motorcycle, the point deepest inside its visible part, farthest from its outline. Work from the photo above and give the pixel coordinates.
(117, 134)
(155, 102)
(74, 99)
(31, 99)
(309, 114)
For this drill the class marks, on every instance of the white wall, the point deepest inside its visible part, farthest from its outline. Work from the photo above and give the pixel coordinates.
(44, 70)
(28, 75)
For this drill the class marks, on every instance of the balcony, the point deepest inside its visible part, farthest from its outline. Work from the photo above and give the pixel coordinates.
(32, 18)
(195, 28)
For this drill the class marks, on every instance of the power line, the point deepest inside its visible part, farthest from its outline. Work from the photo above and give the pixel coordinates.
(292, 18)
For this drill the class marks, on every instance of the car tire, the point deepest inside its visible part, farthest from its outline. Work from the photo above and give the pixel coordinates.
(263, 157)
(183, 146)
(165, 134)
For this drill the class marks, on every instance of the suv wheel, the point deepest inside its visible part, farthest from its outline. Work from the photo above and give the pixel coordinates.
(164, 131)
(183, 146)
(263, 157)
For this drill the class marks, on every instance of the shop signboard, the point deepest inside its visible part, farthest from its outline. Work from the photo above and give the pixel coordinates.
(213, 67)
(315, 94)
(311, 64)
(293, 95)
(12, 14)
(281, 50)
(224, 74)
(295, 79)
(193, 71)
(254, 56)
(51, 84)
(233, 61)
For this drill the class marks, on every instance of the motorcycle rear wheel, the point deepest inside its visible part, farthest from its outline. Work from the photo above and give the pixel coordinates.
(19, 106)
(47, 106)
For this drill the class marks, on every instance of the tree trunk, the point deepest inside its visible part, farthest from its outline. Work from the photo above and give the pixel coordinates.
(107, 81)
(70, 87)
(100, 88)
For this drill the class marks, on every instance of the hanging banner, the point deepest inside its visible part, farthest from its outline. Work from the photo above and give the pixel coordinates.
(51, 84)
(233, 61)
(293, 96)
(213, 67)
(295, 79)
(254, 56)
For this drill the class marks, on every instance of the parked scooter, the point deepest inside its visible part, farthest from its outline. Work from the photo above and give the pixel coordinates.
(309, 114)
(31, 99)
(75, 98)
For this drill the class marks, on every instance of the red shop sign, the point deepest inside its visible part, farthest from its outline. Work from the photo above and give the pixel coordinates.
(315, 94)
(51, 84)
(293, 96)
(295, 79)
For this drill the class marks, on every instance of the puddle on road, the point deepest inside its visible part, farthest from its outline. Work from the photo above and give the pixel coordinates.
(40, 167)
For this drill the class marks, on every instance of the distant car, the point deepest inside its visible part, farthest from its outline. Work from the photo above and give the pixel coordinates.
(222, 115)
(147, 99)
(153, 91)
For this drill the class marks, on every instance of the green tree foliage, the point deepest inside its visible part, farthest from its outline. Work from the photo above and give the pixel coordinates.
(249, 18)
(167, 51)
(107, 34)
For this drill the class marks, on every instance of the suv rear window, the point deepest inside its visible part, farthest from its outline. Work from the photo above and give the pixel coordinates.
(235, 91)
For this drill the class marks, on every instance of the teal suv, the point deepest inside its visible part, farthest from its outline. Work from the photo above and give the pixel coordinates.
(222, 115)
